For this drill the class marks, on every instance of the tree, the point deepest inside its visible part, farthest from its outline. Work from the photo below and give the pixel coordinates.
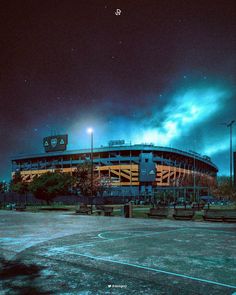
(3, 187)
(50, 185)
(3, 190)
(83, 180)
(223, 189)
(87, 185)
(17, 184)
(103, 184)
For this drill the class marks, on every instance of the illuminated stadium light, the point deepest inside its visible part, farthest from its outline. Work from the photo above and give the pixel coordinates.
(90, 130)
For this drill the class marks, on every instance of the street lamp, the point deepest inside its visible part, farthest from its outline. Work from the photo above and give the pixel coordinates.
(90, 131)
(230, 125)
(194, 178)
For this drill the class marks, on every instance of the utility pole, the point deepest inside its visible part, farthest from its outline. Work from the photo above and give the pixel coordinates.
(194, 178)
(90, 131)
(230, 125)
(92, 163)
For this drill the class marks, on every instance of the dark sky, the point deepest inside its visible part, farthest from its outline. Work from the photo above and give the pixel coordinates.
(160, 72)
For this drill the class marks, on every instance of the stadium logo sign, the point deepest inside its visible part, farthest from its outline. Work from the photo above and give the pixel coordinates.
(54, 142)
(46, 143)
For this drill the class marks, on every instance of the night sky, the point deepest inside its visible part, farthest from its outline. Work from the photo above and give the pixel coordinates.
(161, 72)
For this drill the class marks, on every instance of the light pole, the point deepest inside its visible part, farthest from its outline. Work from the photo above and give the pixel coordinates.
(230, 125)
(90, 131)
(194, 178)
(194, 171)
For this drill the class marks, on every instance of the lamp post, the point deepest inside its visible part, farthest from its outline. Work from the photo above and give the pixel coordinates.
(230, 125)
(194, 178)
(90, 131)
(194, 171)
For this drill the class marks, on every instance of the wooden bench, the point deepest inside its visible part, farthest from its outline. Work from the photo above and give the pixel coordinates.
(229, 216)
(220, 215)
(99, 209)
(183, 214)
(108, 211)
(213, 215)
(198, 207)
(83, 209)
(158, 213)
(20, 207)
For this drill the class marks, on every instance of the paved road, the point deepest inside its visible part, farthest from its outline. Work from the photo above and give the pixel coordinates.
(55, 253)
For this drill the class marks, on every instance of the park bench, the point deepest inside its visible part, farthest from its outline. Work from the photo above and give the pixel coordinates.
(20, 207)
(198, 207)
(83, 209)
(213, 215)
(229, 216)
(158, 213)
(107, 211)
(99, 209)
(183, 214)
(220, 215)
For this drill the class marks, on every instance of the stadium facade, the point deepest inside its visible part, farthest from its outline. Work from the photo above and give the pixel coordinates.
(132, 170)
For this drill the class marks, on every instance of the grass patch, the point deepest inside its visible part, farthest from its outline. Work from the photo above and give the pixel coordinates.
(223, 207)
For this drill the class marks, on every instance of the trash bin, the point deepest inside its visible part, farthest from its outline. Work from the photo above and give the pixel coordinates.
(128, 210)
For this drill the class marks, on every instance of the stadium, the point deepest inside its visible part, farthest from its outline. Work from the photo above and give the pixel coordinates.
(132, 171)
